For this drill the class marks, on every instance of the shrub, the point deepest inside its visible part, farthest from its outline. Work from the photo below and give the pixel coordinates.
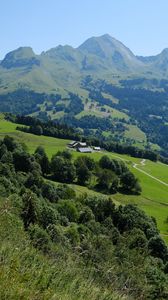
(40, 238)
(68, 209)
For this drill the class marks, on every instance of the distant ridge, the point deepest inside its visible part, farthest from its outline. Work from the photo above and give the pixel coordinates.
(64, 66)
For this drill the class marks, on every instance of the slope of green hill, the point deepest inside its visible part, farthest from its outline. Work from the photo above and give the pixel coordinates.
(57, 245)
(154, 197)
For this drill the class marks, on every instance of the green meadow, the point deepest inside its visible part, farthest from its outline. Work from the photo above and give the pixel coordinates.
(154, 197)
(51, 145)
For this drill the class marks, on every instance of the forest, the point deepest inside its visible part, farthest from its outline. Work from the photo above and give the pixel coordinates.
(120, 244)
(147, 107)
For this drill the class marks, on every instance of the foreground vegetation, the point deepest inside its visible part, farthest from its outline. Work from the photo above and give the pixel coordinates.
(55, 245)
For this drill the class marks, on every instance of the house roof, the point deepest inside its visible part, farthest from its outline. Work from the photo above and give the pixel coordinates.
(73, 142)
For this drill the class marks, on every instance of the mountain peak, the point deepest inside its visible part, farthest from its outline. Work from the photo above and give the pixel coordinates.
(164, 52)
(112, 53)
(19, 58)
(21, 52)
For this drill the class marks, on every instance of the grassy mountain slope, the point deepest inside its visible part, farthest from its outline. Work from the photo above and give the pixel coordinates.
(55, 245)
(101, 57)
(153, 199)
(103, 61)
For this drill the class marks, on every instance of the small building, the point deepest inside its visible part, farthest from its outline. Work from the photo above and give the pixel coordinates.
(76, 145)
(96, 148)
(71, 144)
(85, 150)
(81, 145)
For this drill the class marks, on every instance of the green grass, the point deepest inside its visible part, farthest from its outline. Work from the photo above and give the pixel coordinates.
(56, 115)
(110, 97)
(51, 145)
(115, 113)
(158, 170)
(154, 197)
(135, 133)
(153, 200)
(96, 111)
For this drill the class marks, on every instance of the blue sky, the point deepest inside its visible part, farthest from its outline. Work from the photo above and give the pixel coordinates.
(142, 25)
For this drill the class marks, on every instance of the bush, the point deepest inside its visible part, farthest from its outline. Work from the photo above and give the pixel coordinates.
(39, 237)
(73, 235)
(68, 209)
(158, 248)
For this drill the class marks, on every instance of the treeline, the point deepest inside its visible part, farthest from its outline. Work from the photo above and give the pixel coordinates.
(89, 122)
(118, 246)
(24, 101)
(50, 128)
(108, 175)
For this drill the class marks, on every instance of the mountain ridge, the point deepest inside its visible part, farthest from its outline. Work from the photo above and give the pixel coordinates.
(63, 67)
(99, 84)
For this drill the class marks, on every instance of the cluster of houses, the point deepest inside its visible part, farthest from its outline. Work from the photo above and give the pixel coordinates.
(82, 147)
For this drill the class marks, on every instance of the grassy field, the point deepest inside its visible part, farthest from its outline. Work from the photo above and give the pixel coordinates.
(153, 200)
(135, 133)
(158, 170)
(109, 112)
(51, 145)
(154, 197)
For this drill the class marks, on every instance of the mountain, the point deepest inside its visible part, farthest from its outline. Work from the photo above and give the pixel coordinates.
(111, 53)
(64, 66)
(159, 63)
(22, 57)
(100, 87)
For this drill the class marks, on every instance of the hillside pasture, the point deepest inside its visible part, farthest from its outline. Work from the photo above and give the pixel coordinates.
(154, 197)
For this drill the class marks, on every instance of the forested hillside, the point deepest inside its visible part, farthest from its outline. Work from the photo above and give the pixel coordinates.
(57, 245)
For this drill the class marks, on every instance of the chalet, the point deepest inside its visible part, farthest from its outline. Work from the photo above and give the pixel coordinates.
(96, 148)
(76, 145)
(85, 150)
(71, 144)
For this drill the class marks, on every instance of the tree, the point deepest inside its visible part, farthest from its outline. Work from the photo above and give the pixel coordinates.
(158, 247)
(105, 179)
(83, 173)
(129, 182)
(66, 154)
(68, 209)
(86, 215)
(114, 185)
(42, 159)
(22, 161)
(10, 143)
(84, 166)
(105, 162)
(63, 170)
(31, 209)
(37, 129)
